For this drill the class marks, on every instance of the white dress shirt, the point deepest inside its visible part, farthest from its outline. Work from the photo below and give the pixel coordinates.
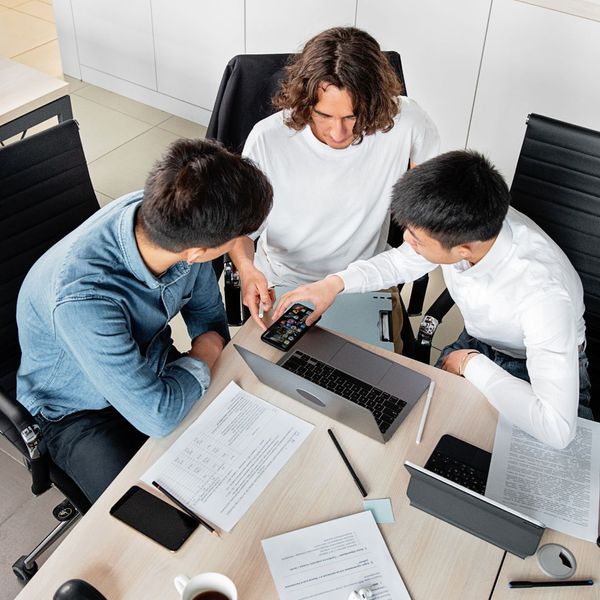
(525, 299)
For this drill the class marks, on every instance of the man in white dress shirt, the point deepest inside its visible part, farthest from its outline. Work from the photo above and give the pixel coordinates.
(520, 297)
(342, 138)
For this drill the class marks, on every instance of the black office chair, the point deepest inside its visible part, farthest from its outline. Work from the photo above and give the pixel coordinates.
(244, 98)
(45, 193)
(557, 184)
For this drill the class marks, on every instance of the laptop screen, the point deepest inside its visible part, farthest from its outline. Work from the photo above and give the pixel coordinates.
(472, 512)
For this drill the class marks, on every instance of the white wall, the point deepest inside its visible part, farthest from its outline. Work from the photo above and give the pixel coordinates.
(440, 44)
(279, 26)
(116, 37)
(193, 44)
(535, 60)
(478, 67)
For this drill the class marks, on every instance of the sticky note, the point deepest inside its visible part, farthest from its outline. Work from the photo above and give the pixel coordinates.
(381, 509)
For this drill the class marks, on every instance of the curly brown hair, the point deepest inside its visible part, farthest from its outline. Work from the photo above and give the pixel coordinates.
(349, 59)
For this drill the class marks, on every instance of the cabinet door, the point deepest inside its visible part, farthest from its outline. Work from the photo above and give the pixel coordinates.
(65, 28)
(274, 26)
(440, 44)
(536, 60)
(194, 41)
(115, 37)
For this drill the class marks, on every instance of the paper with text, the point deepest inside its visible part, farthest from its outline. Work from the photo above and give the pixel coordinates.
(560, 488)
(333, 559)
(228, 456)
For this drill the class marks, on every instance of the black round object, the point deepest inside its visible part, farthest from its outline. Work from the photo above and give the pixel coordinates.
(23, 573)
(65, 511)
(77, 589)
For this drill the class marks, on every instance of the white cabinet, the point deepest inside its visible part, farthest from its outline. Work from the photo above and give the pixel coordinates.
(194, 41)
(171, 54)
(67, 40)
(115, 37)
(278, 26)
(535, 60)
(440, 44)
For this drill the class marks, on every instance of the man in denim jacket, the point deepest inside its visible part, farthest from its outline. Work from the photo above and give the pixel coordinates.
(99, 370)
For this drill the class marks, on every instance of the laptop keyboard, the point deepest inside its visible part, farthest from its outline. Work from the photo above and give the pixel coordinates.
(384, 406)
(457, 471)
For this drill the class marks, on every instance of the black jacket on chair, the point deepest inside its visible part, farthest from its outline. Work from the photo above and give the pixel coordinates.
(244, 97)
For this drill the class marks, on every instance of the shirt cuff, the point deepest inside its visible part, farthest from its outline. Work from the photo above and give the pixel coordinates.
(480, 370)
(196, 368)
(353, 280)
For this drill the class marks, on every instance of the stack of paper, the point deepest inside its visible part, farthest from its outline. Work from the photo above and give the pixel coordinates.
(227, 457)
(333, 559)
(560, 488)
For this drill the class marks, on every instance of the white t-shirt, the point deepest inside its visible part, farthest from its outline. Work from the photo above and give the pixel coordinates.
(331, 206)
(523, 298)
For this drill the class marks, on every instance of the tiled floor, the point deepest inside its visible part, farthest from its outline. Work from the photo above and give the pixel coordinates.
(121, 139)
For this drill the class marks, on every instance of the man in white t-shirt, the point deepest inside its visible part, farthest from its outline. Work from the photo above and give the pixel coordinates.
(342, 138)
(520, 297)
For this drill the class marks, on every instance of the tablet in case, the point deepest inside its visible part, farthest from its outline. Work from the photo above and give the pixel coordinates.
(472, 512)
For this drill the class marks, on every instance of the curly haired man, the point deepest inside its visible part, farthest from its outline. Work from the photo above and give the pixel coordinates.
(343, 136)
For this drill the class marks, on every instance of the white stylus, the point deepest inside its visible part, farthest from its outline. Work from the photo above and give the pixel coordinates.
(425, 411)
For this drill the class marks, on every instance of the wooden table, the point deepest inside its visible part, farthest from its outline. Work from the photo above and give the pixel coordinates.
(436, 560)
(28, 97)
(587, 555)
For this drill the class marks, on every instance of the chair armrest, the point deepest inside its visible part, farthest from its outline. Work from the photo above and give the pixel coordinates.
(429, 324)
(16, 413)
(417, 296)
(27, 436)
(439, 309)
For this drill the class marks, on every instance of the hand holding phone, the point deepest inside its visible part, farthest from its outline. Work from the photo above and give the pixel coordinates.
(321, 294)
(289, 328)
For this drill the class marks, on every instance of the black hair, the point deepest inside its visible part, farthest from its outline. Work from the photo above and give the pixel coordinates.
(199, 195)
(457, 197)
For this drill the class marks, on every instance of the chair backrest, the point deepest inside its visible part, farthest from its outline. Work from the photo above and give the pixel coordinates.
(557, 184)
(45, 193)
(244, 97)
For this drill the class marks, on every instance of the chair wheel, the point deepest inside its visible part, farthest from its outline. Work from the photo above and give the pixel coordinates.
(23, 573)
(64, 511)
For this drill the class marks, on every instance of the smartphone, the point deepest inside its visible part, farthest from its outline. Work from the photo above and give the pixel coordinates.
(289, 328)
(153, 517)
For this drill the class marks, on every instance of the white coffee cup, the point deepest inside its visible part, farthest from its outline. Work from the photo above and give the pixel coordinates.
(205, 582)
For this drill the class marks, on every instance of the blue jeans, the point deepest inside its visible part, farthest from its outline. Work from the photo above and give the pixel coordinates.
(518, 367)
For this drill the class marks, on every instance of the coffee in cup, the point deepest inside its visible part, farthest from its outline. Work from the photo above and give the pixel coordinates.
(206, 586)
(210, 596)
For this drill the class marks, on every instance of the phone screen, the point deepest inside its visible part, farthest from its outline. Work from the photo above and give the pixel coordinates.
(289, 328)
(156, 519)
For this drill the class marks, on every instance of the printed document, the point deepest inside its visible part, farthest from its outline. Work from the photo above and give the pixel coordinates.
(227, 457)
(331, 560)
(560, 488)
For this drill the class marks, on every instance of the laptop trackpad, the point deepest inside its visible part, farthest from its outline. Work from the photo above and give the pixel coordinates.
(360, 363)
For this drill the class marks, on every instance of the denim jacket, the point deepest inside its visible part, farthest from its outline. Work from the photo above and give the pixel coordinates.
(94, 327)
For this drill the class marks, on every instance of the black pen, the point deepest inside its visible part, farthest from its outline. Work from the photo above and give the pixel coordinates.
(184, 508)
(359, 485)
(565, 582)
